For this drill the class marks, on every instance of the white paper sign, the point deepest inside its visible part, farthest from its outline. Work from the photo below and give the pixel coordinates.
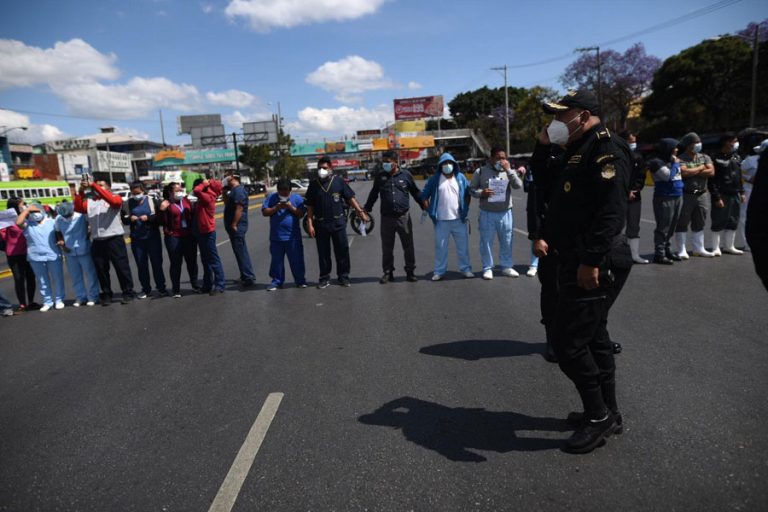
(499, 188)
(7, 218)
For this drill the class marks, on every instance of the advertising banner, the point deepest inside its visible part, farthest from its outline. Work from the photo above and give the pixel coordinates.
(343, 163)
(368, 134)
(418, 108)
(380, 144)
(424, 141)
(308, 149)
(410, 126)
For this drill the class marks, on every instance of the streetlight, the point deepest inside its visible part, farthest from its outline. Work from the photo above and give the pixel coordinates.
(599, 77)
(506, 104)
(23, 128)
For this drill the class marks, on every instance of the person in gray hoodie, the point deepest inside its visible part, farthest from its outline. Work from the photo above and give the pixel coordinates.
(496, 210)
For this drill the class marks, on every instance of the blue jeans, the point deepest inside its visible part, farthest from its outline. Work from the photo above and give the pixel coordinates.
(443, 230)
(4, 304)
(47, 273)
(294, 249)
(493, 224)
(182, 249)
(80, 266)
(149, 250)
(213, 270)
(534, 258)
(240, 248)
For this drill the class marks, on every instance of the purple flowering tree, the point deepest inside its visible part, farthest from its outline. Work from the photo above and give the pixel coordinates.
(626, 78)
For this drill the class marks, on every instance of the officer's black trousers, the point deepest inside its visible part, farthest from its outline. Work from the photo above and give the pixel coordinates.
(580, 333)
(402, 227)
(337, 237)
(547, 274)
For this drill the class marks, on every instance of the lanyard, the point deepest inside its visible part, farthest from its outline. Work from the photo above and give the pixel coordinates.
(330, 182)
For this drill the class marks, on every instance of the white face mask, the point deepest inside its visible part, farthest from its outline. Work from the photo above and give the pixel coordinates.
(558, 133)
(633, 146)
(284, 199)
(323, 173)
(735, 147)
(138, 197)
(697, 147)
(178, 196)
(447, 169)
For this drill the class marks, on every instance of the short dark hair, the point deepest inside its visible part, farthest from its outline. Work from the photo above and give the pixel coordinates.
(727, 137)
(137, 184)
(168, 189)
(389, 155)
(284, 183)
(14, 203)
(497, 149)
(197, 182)
(324, 160)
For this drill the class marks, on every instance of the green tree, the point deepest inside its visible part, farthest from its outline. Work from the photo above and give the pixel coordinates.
(257, 158)
(530, 118)
(291, 167)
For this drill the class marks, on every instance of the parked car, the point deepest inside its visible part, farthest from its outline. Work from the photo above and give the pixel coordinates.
(296, 186)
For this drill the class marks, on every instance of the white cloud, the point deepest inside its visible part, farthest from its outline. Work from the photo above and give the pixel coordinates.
(342, 119)
(263, 15)
(237, 118)
(207, 8)
(34, 134)
(349, 77)
(70, 61)
(414, 85)
(231, 98)
(137, 98)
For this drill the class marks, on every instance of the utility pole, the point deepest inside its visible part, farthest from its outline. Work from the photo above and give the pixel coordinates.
(237, 158)
(506, 105)
(599, 74)
(753, 103)
(162, 128)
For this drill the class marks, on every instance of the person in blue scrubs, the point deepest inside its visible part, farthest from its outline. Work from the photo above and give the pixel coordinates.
(285, 210)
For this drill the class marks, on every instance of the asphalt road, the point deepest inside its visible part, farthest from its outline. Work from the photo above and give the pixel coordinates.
(405, 396)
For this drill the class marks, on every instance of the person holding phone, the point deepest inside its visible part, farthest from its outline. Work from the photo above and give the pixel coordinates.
(285, 210)
(72, 237)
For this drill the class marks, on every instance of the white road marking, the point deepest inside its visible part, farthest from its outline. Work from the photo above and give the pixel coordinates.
(233, 482)
(351, 241)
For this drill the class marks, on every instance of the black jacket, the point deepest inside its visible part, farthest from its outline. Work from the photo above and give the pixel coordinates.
(727, 178)
(394, 191)
(582, 194)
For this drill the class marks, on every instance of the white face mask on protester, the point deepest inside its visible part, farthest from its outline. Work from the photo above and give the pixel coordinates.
(284, 199)
(633, 146)
(138, 197)
(178, 196)
(697, 147)
(558, 133)
(735, 147)
(323, 173)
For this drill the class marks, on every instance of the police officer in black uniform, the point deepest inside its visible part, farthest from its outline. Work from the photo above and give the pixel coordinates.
(327, 223)
(587, 186)
(394, 185)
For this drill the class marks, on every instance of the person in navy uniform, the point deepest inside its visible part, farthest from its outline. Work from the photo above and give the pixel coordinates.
(394, 185)
(236, 224)
(587, 186)
(326, 222)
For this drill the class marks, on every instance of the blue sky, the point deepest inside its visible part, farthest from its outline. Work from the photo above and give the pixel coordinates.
(334, 65)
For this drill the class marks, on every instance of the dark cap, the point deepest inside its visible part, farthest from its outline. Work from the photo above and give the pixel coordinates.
(581, 98)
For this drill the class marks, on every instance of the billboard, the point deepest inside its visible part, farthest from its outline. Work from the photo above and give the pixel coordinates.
(70, 145)
(368, 134)
(410, 126)
(260, 132)
(343, 163)
(424, 141)
(308, 149)
(380, 144)
(186, 123)
(418, 108)
(203, 136)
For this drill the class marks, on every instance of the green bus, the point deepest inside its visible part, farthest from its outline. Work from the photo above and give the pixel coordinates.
(44, 192)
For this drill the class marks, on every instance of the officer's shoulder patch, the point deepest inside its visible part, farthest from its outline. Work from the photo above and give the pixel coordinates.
(604, 134)
(608, 171)
(575, 159)
(604, 158)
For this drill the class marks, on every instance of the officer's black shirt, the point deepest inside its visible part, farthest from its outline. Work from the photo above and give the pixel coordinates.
(328, 199)
(583, 199)
(727, 178)
(394, 190)
(637, 178)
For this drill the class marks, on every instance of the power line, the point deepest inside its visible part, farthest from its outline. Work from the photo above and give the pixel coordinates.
(68, 116)
(703, 11)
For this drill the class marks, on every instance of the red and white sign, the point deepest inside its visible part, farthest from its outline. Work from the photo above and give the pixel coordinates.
(343, 163)
(418, 108)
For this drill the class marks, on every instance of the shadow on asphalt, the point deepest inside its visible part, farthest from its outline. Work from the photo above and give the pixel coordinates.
(455, 432)
(474, 350)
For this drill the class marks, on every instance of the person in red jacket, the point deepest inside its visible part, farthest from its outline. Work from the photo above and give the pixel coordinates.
(176, 217)
(207, 191)
(16, 250)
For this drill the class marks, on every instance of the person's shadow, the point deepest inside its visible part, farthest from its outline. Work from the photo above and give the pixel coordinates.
(474, 350)
(458, 433)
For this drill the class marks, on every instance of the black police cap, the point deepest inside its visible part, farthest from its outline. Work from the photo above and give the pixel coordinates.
(573, 99)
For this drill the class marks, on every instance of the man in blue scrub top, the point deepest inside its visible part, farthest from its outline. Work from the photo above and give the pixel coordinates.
(285, 211)
(236, 224)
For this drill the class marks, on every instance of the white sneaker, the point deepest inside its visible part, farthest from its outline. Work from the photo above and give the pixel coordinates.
(532, 271)
(488, 274)
(59, 305)
(76, 304)
(45, 308)
(141, 296)
(90, 303)
(437, 277)
(510, 272)
(468, 274)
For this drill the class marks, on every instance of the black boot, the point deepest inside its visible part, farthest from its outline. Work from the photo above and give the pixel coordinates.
(672, 256)
(411, 277)
(591, 433)
(662, 260)
(388, 277)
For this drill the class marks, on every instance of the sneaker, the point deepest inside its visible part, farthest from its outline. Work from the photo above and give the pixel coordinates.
(662, 260)
(437, 277)
(90, 303)
(532, 271)
(411, 277)
(163, 293)
(510, 272)
(468, 274)
(574, 419)
(197, 289)
(141, 296)
(33, 307)
(322, 284)
(590, 434)
(488, 275)
(127, 299)
(177, 295)
(272, 288)
(216, 291)
(302, 285)
(345, 282)
(45, 307)
(388, 277)
(22, 308)
(7, 312)
(59, 305)
(76, 304)
(248, 283)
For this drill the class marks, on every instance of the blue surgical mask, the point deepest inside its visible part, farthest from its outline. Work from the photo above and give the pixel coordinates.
(138, 197)
(499, 167)
(66, 209)
(697, 147)
(36, 216)
(447, 169)
(387, 166)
